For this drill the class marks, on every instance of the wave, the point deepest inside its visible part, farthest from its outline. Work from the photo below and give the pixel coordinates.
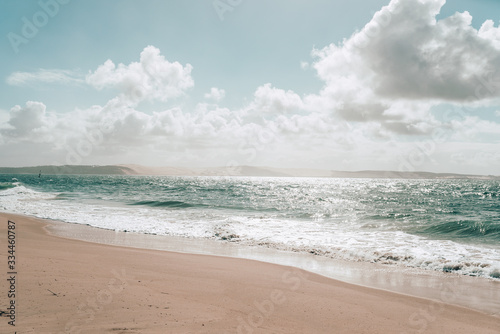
(453, 258)
(168, 204)
(443, 234)
(184, 205)
(64, 196)
(8, 185)
(465, 229)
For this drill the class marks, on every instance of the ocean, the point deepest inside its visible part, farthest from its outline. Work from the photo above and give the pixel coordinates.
(440, 225)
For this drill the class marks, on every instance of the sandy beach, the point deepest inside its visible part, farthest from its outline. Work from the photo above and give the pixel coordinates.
(70, 286)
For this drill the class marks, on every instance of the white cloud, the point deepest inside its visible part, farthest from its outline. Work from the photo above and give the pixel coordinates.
(153, 77)
(402, 63)
(26, 123)
(268, 99)
(472, 128)
(404, 53)
(215, 94)
(44, 76)
(210, 135)
(490, 33)
(374, 109)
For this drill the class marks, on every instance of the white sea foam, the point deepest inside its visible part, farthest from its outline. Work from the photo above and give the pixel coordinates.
(343, 240)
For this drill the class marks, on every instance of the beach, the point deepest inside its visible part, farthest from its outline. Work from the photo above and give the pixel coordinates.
(71, 286)
(250, 167)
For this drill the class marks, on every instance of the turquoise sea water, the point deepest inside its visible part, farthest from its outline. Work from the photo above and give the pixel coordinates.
(445, 225)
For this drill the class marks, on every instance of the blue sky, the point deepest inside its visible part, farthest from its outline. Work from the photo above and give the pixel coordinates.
(260, 83)
(255, 43)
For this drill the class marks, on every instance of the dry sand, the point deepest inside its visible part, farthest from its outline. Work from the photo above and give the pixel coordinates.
(71, 286)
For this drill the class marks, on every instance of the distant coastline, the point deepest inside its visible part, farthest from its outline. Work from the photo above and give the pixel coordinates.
(232, 171)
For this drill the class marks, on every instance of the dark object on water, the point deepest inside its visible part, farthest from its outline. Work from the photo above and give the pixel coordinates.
(40, 174)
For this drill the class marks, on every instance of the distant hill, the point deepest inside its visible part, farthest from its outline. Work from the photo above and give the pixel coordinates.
(68, 169)
(232, 171)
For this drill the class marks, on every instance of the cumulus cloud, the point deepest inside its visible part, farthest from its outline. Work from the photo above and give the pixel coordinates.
(215, 94)
(152, 78)
(26, 122)
(404, 53)
(402, 63)
(118, 129)
(379, 89)
(44, 76)
(273, 100)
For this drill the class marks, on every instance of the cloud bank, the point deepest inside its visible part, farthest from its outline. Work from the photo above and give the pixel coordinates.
(376, 109)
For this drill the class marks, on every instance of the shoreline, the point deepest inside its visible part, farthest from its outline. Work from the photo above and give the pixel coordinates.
(80, 285)
(477, 293)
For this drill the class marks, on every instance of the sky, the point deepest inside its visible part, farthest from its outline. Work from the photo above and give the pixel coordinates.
(402, 85)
